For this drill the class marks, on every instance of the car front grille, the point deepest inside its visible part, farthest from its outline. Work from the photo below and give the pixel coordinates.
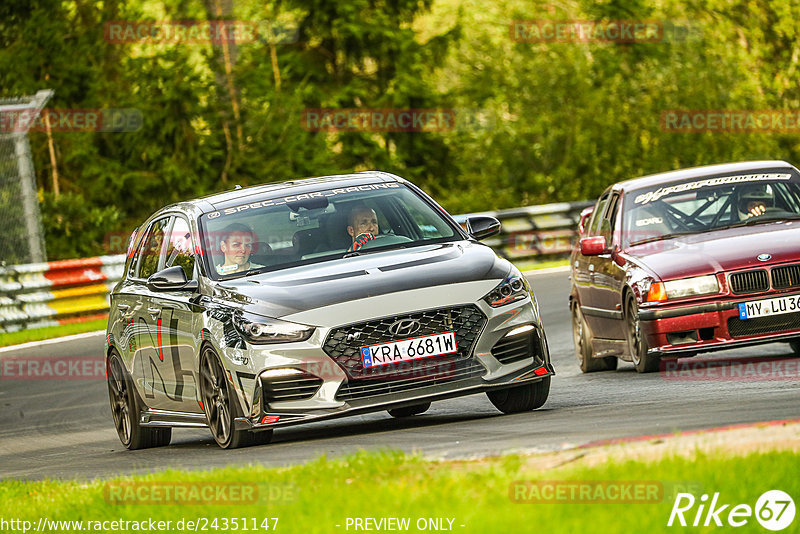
(432, 374)
(290, 388)
(763, 325)
(786, 277)
(749, 282)
(515, 348)
(344, 344)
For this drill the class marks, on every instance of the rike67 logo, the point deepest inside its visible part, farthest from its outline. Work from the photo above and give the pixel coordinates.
(774, 510)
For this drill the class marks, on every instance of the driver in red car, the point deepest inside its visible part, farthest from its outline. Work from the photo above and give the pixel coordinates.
(362, 225)
(754, 201)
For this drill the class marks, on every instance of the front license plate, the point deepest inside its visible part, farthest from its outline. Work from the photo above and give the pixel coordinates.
(404, 350)
(764, 308)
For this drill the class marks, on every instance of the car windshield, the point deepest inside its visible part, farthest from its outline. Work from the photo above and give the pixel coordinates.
(707, 204)
(271, 233)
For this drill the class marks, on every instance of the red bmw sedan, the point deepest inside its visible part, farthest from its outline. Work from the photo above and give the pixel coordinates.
(689, 261)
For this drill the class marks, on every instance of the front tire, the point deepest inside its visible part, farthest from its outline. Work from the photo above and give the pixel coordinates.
(521, 398)
(583, 346)
(221, 408)
(637, 342)
(125, 410)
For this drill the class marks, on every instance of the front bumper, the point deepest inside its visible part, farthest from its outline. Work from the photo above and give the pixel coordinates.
(496, 361)
(688, 330)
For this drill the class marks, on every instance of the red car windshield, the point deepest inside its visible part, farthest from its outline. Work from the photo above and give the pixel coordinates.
(707, 204)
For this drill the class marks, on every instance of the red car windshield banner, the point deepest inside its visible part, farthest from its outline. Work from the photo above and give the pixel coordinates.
(709, 182)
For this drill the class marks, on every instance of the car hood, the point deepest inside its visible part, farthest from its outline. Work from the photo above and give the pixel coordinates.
(290, 291)
(722, 250)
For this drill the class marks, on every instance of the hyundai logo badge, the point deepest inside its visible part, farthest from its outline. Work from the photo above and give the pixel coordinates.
(764, 257)
(404, 327)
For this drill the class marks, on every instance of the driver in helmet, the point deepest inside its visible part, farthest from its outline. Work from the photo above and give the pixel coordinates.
(754, 201)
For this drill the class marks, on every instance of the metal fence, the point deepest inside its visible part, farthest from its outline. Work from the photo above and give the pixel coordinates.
(21, 236)
(58, 292)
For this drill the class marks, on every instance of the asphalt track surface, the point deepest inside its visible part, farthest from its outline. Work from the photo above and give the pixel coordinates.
(63, 429)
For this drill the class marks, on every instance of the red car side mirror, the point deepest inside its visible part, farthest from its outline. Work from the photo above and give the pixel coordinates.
(593, 246)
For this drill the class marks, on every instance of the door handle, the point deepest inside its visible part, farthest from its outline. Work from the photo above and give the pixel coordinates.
(154, 312)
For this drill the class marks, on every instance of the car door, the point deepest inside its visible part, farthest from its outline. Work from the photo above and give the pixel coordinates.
(154, 372)
(124, 304)
(585, 266)
(609, 275)
(174, 324)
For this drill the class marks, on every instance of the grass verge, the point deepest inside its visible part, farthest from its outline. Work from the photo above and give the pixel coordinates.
(49, 332)
(321, 495)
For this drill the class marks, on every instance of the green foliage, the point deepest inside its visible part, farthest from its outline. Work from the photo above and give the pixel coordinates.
(536, 122)
(74, 228)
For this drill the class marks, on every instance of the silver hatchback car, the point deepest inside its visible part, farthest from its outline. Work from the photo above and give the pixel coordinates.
(294, 302)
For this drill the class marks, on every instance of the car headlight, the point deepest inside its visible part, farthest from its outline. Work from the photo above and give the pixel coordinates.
(262, 330)
(514, 288)
(685, 287)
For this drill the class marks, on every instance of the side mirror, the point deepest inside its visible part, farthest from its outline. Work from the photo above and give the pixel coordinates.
(481, 227)
(593, 246)
(584, 219)
(171, 279)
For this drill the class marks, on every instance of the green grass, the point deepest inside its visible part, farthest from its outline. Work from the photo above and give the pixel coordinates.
(390, 484)
(49, 332)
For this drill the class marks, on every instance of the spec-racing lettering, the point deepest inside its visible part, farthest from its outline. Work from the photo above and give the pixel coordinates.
(298, 198)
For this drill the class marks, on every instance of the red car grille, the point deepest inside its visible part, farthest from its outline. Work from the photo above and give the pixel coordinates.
(786, 277)
(749, 282)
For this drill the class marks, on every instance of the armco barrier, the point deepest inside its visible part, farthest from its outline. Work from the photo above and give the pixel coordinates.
(58, 292)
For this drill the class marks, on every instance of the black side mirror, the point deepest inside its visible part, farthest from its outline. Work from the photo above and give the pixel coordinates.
(481, 227)
(171, 279)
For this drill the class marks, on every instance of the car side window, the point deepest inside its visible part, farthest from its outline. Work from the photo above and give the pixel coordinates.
(609, 219)
(180, 249)
(597, 215)
(152, 249)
